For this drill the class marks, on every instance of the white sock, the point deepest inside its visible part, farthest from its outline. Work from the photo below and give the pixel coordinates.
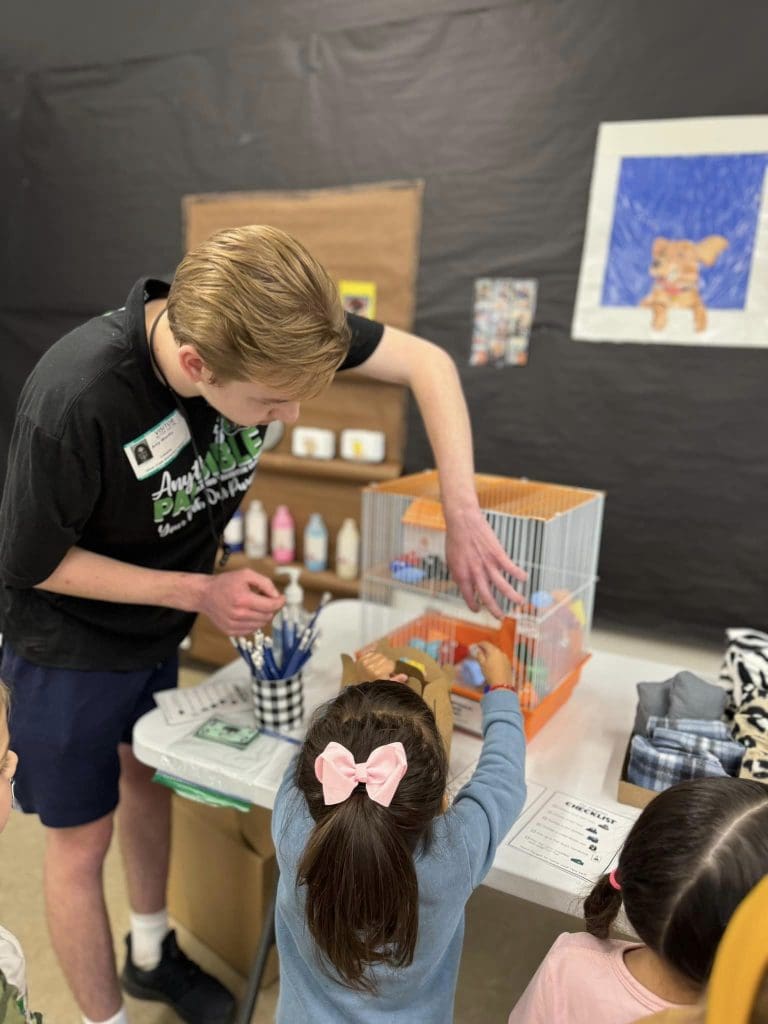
(119, 1018)
(147, 934)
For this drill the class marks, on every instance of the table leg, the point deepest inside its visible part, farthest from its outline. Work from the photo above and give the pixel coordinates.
(248, 1002)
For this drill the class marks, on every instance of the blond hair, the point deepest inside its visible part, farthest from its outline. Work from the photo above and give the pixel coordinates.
(258, 307)
(5, 698)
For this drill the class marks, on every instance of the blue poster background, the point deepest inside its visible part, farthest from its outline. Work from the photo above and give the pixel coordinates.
(685, 197)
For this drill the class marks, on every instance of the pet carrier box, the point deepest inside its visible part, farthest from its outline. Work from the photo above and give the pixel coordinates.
(409, 599)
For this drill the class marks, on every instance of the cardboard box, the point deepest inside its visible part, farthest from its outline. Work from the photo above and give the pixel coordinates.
(223, 872)
(628, 792)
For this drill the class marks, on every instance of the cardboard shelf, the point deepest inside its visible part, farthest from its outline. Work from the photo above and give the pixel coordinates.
(336, 469)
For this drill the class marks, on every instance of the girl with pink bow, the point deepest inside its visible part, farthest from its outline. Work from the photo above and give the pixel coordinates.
(375, 870)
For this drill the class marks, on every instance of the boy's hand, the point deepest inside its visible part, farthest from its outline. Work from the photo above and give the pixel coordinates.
(240, 602)
(478, 563)
(495, 665)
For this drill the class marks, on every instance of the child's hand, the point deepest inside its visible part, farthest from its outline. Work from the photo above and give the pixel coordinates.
(495, 665)
(379, 665)
(399, 677)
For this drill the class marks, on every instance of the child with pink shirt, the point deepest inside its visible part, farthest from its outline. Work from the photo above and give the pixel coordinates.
(690, 859)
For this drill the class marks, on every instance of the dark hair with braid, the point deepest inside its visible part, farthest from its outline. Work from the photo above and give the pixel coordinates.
(690, 859)
(362, 892)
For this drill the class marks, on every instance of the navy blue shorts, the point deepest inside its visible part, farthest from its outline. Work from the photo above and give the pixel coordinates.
(66, 725)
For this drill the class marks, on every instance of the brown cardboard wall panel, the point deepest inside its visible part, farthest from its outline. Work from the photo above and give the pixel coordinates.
(364, 233)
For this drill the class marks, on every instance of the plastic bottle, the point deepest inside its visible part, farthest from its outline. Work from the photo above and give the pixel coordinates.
(256, 530)
(283, 536)
(316, 544)
(347, 550)
(293, 610)
(234, 534)
(290, 621)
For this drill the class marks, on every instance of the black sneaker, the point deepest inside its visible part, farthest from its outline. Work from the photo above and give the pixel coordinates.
(195, 996)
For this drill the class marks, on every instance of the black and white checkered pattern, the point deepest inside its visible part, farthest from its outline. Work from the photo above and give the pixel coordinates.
(278, 703)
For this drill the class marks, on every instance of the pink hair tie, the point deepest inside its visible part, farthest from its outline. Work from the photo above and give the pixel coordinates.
(615, 884)
(339, 775)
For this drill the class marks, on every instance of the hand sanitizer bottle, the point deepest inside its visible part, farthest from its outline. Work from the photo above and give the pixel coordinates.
(292, 616)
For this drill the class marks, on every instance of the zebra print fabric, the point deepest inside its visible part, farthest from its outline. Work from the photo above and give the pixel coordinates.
(744, 673)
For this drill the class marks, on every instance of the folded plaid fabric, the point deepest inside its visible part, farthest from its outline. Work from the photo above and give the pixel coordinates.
(728, 753)
(712, 728)
(659, 769)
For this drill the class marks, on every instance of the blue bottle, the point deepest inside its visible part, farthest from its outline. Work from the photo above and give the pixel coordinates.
(316, 544)
(234, 532)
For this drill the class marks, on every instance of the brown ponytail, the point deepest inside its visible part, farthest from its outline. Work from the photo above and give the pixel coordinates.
(601, 908)
(690, 858)
(362, 892)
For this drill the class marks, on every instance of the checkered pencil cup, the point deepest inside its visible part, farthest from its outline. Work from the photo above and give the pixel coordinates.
(278, 703)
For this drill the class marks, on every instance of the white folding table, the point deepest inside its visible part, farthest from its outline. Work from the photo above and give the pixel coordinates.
(575, 759)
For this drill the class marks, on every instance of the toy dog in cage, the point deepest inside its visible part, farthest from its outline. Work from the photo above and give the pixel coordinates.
(675, 267)
(424, 676)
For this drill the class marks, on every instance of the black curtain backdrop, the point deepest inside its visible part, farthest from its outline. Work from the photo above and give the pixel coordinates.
(110, 114)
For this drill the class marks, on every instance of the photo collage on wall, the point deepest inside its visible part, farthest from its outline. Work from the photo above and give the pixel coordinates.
(504, 311)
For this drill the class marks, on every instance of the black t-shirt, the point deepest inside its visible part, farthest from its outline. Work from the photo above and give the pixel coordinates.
(101, 457)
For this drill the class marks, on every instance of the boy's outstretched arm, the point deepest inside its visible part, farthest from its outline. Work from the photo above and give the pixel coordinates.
(475, 557)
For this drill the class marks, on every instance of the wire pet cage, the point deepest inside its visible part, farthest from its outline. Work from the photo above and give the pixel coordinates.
(551, 531)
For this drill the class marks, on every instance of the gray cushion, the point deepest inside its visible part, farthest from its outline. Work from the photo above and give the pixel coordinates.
(692, 697)
(652, 699)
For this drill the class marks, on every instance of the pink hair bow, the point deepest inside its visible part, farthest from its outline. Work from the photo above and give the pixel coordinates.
(339, 775)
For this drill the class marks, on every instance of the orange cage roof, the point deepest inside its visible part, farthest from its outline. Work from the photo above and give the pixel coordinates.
(526, 498)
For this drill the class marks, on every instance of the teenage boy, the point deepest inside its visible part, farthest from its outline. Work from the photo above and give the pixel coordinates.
(136, 437)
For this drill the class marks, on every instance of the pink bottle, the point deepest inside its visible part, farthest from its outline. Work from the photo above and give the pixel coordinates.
(283, 536)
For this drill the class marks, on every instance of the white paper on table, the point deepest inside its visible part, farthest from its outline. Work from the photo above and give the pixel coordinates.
(196, 702)
(263, 761)
(571, 835)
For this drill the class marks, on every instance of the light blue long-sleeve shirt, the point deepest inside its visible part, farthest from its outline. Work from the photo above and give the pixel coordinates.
(460, 856)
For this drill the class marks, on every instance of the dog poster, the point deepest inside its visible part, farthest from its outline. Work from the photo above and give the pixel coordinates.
(504, 309)
(676, 245)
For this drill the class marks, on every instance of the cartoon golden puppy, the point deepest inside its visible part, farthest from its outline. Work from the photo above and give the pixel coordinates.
(675, 268)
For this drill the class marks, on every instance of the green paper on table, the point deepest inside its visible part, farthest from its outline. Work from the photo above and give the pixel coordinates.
(200, 794)
(218, 731)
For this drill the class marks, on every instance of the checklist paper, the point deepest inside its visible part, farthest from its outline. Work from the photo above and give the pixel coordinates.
(195, 702)
(572, 835)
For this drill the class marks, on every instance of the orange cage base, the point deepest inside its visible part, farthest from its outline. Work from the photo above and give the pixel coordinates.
(537, 717)
(434, 626)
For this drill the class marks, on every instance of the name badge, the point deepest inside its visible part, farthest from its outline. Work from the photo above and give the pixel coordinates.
(152, 451)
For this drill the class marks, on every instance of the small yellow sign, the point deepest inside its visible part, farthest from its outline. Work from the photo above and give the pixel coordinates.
(359, 297)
